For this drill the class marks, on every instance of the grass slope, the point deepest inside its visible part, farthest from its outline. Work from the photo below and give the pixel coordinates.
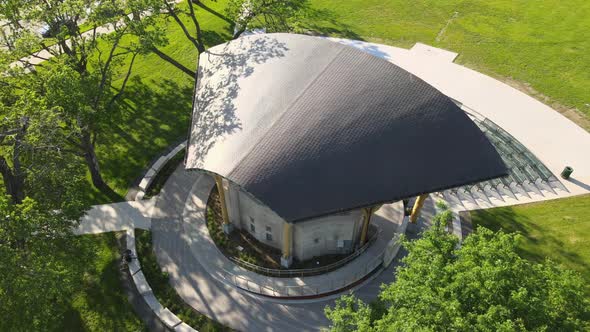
(558, 229)
(543, 45)
(157, 103)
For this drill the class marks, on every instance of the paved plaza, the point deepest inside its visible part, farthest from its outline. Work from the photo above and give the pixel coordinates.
(207, 293)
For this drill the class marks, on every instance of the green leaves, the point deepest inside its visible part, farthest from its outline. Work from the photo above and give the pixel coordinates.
(272, 15)
(34, 284)
(483, 285)
(349, 314)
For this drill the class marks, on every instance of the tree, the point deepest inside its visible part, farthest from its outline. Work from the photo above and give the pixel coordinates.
(30, 134)
(37, 279)
(273, 15)
(13, 129)
(482, 285)
(87, 59)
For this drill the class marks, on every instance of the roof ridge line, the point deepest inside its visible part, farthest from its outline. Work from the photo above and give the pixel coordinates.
(245, 155)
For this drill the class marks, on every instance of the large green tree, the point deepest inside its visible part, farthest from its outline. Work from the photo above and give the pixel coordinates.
(85, 44)
(483, 285)
(38, 276)
(272, 15)
(33, 151)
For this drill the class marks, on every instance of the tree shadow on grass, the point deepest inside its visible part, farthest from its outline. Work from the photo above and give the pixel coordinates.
(153, 116)
(104, 293)
(325, 22)
(212, 38)
(216, 13)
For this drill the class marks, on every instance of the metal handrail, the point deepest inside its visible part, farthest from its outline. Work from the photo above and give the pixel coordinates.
(302, 290)
(272, 288)
(289, 273)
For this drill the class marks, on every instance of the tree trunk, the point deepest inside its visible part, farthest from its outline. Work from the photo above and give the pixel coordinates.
(239, 32)
(175, 63)
(93, 167)
(13, 183)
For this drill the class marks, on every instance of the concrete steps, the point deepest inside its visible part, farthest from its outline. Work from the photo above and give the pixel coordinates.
(502, 195)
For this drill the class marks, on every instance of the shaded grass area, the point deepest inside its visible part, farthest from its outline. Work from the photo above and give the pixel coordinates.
(557, 229)
(167, 296)
(158, 183)
(541, 46)
(100, 303)
(156, 107)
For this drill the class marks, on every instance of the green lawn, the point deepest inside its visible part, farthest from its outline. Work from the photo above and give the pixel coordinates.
(543, 45)
(100, 304)
(558, 229)
(157, 104)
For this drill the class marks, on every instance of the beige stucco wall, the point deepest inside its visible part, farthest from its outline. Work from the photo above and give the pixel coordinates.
(320, 236)
(252, 212)
(311, 238)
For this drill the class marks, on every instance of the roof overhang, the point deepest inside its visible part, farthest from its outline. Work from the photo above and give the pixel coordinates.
(311, 127)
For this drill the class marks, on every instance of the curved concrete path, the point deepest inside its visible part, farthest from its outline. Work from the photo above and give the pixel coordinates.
(388, 220)
(223, 302)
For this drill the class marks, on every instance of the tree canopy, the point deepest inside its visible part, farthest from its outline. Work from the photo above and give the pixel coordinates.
(272, 15)
(37, 280)
(72, 59)
(482, 285)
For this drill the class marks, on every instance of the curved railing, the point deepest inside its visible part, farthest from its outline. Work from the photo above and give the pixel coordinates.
(292, 273)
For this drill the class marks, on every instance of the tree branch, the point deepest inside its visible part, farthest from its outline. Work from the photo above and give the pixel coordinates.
(122, 89)
(200, 45)
(173, 62)
(172, 13)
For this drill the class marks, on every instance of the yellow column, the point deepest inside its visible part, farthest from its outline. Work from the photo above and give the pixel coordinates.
(221, 191)
(286, 258)
(417, 207)
(367, 212)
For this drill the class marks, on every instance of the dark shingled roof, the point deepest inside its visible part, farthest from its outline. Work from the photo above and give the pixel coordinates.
(311, 127)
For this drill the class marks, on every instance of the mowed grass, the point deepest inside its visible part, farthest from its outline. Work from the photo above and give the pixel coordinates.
(542, 46)
(100, 303)
(157, 104)
(537, 45)
(557, 229)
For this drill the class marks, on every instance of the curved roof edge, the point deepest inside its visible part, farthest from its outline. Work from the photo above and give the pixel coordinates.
(310, 127)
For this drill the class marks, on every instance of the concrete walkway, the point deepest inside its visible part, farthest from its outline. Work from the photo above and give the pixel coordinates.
(117, 217)
(221, 301)
(388, 220)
